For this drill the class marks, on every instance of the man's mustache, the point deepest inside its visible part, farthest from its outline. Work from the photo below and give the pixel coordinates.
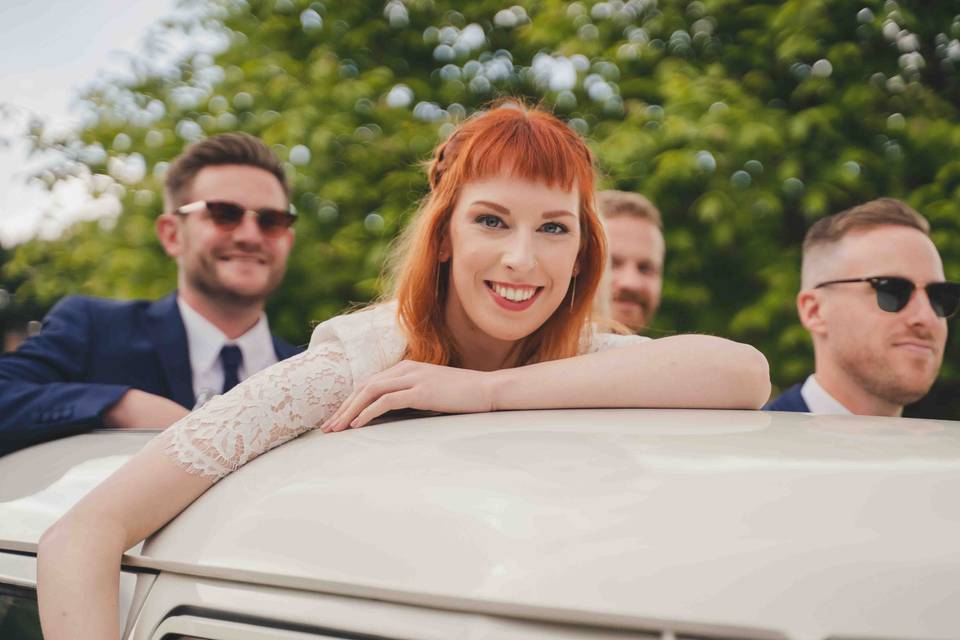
(921, 334)
(634, 297)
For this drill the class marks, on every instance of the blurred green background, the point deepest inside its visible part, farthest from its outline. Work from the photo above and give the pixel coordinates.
(743, 121)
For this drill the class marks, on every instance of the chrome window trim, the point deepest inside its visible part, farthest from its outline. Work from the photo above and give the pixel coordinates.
(217, 629)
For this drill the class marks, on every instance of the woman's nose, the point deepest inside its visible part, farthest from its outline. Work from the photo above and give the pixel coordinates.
(520, 254)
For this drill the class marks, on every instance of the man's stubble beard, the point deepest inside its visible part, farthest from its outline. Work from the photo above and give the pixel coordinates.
(646, 309)
(207, 283)
(873, 374)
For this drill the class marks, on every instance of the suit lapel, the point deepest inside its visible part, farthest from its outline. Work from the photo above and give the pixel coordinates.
(793, 399)
(283, 349)
(170, 340)
(800, 401)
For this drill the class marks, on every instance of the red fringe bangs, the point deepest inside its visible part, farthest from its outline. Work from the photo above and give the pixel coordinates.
(531, 145)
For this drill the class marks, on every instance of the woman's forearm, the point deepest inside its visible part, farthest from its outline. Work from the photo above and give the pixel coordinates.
(78, 573)
(690, 371)
(78, 564)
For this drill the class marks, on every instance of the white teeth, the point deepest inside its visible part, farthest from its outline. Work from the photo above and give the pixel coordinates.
(513, 294)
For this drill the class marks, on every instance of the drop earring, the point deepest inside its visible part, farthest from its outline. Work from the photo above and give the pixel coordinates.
(573, 292)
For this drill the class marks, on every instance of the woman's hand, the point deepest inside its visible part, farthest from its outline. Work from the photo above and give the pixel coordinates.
(414, 385)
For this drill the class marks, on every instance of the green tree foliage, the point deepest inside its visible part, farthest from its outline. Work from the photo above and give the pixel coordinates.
(743, 120)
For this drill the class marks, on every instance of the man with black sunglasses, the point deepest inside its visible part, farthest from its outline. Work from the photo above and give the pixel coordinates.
(875, 301)
(227, 224)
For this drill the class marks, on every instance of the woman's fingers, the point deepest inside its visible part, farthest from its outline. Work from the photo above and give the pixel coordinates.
(336, 422)
(335, 417)
(332, 419)
(403, 375)
(403, 399)
(362, 398)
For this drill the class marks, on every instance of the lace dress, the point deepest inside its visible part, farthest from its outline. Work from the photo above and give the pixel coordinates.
(298, 394)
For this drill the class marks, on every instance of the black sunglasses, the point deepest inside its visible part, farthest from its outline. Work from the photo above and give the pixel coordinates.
(894, 293)
(228, 216)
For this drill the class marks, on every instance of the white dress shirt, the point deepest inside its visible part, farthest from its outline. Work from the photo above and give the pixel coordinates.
(204, 342)
(819, 401)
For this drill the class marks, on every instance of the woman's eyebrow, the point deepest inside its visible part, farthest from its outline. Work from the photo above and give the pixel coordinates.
(493, 205)
(549, 215)
(559, 213)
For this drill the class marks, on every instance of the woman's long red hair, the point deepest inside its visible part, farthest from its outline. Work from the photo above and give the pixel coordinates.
(526, 142)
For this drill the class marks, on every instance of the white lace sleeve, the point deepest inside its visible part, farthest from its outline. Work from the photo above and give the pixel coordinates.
(603, 341)
(266, 410)
(289, 398)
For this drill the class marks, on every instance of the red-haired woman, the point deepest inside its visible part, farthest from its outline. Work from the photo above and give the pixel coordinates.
(494, 283)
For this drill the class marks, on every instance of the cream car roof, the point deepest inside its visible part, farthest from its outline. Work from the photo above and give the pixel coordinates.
(812, 526)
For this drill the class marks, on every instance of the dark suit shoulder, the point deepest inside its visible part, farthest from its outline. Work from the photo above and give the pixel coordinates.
(96, 306)
(789, 400)
(284, 349)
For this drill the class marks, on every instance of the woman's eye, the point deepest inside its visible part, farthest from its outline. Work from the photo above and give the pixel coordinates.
(554, 228)
(490, 221)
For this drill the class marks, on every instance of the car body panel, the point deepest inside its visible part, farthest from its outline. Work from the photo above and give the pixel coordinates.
(39, 484)
(345, 617)
(812, 526)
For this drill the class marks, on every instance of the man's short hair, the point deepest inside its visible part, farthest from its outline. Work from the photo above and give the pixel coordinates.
(222, 149)
(883, 211)
(613, 204)
(830, 230)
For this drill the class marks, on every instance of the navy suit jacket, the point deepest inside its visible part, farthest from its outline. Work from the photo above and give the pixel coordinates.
(789, 400)
(89, 353)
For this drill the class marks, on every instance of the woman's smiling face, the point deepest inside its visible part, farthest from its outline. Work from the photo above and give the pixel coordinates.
(512, 246)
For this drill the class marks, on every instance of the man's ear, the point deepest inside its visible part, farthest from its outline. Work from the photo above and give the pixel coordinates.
(169, 234)
(810, 310)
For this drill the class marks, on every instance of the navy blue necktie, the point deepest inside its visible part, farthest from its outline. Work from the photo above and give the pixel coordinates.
(230, 358)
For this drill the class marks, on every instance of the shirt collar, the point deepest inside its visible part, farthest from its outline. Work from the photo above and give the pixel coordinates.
(819, 401)
(205, 340)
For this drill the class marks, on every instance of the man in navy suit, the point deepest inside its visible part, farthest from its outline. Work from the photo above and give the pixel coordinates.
(874, 300)
(96, 362)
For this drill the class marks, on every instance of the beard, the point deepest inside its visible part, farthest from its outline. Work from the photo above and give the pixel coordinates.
(881, 378)
(207, 281)
(643, 301)
(214, 290)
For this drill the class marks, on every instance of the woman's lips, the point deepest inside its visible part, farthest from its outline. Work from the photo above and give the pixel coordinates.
(512, 305)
